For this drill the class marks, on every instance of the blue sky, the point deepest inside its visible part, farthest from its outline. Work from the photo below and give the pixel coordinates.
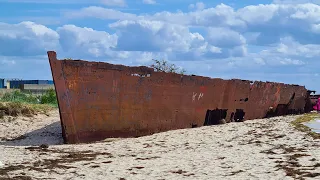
(274, 40)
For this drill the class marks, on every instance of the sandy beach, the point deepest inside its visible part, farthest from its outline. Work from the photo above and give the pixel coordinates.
(255, 149)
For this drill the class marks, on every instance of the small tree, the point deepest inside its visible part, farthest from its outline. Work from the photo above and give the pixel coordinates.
(165, 66)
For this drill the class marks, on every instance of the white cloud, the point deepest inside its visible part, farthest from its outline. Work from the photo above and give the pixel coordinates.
(288, 19)
(143, 35)
(7, 62)
(75, 39)
(99, 12)
(271, 39)
(225, 37)
(214, 49)
(177, 40)
(149, 1)
(296, 1)
(120, 3)
(26, 38)
(232, 42)
(221, 15)
(289, 47)
(54, 1)
(299, 21)
(315, 28)
(197, 6)
(259, 61)
(31, 39)
(287, 61)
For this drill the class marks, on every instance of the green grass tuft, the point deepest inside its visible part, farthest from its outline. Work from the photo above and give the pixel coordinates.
(18, 96)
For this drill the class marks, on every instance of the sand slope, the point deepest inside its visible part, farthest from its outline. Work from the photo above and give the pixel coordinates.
(258, 149)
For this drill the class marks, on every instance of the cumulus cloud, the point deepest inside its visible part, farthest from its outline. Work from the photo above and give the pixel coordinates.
(75, 39)
(26, 38)
(221, 15)
(120, 3)
(100, 12)
(144, 35)
(221, 41)
(289, 47)
(31, 39)
(296, 1)
(270, 22)
(275, 21)
(149, 1)
(5, 62)
(286, 61)
(197, 6)
(53, 1)
(224, 37)
(177, 40)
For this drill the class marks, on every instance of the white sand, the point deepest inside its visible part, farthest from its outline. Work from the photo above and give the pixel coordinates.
(258, 149)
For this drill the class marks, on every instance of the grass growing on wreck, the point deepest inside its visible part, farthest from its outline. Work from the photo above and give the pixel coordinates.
(298, 124)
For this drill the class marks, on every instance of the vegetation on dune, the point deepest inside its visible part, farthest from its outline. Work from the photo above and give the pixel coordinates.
(49, 97)
(18, 96)
(22, 103)
(15, 109)
(298, 124)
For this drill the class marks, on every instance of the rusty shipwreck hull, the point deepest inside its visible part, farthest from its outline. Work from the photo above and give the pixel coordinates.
(100, 100)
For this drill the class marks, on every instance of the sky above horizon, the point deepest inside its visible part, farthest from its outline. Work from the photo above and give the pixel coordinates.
(266, 40)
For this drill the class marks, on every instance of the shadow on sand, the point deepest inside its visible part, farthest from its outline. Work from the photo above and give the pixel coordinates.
(50, 135)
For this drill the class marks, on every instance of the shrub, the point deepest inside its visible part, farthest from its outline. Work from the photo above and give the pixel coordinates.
(165, 66)
(49, 97)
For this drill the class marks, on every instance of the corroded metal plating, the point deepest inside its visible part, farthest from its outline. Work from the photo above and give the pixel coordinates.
(100, 100)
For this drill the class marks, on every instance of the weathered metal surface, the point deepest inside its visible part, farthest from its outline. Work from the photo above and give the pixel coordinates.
(314, 98)
(100, 100)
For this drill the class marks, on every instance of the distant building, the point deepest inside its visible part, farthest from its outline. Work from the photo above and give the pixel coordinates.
(17, 84)
(36, 88)
(2, 85)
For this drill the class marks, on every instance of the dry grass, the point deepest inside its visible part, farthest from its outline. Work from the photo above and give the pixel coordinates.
(23, 109)
(298, 124)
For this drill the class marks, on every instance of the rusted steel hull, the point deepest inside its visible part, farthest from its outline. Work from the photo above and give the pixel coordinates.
(314, 99)
(100, 100)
